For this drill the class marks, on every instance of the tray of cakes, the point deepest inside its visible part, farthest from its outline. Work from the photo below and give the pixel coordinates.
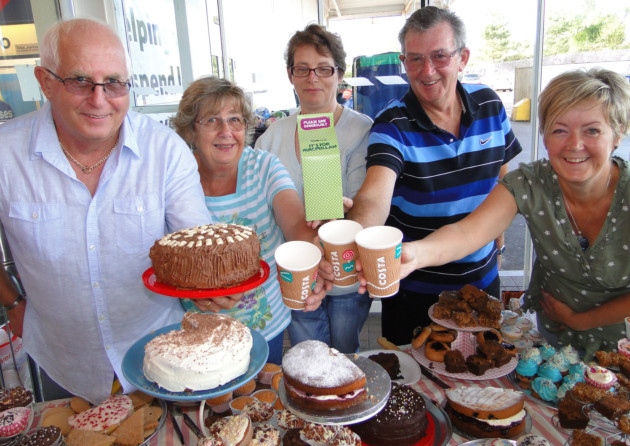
(407, 419)
(467, 309)
(205, 262)
(464, 355)
(205, 356)
(132, 420)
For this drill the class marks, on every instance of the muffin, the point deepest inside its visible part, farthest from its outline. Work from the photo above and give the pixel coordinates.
(523, 344)
(533, 335)
(623, 347)
(560, 362)
(524, 323)
(599, 377)
(511, 332)
(544, 389)
(571, 354)
(549, 371)
(525, 372)
(547, 351)
(508, 317)
(533, 353)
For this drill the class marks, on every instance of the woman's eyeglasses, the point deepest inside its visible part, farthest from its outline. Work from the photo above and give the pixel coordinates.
(215, 124)
(319, 71)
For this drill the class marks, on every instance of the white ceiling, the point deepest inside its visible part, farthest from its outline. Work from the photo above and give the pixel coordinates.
(350, 9)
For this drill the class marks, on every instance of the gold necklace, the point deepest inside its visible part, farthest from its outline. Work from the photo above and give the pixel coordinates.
(88, 169)
(582, 241)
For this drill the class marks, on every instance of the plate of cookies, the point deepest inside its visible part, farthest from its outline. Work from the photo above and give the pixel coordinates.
(132, 420)
(151, 282)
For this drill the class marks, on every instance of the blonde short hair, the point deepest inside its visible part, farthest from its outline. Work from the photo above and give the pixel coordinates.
(604, 87)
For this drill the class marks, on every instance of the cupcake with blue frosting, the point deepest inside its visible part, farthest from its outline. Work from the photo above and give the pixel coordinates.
(547, 351)
(544, 389)
(533, 353)
(549, 371)
(525, 372)
(560, 362)
(570, 353)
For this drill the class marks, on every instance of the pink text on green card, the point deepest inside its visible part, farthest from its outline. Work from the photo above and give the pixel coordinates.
(319, 122)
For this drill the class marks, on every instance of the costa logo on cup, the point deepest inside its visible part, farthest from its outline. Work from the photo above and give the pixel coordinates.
(380, 250)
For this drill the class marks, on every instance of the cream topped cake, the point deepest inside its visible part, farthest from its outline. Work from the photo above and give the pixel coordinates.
(208, 351)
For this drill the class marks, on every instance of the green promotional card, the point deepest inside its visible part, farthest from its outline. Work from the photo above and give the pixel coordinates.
(321, 167)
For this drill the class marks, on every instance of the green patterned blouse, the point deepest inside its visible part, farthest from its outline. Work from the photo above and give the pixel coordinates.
(581, 279)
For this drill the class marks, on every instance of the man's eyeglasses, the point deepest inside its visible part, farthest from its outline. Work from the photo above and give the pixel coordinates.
(437, 59)
(85, 87)
(319, 71)
(214, 124)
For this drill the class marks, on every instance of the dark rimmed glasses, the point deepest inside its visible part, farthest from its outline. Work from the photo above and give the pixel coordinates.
(325, 71)
(81, 86)
(215, 124)
(437, 59)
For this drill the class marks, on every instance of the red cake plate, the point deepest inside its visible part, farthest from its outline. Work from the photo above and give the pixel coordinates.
(151, 282)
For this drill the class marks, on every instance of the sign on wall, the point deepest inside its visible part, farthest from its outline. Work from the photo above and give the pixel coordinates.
(151, 36)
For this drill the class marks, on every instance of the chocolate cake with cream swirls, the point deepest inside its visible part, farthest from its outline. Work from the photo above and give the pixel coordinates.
(209, 256)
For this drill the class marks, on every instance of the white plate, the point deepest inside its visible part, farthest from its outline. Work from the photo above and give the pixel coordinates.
(467, 344)
(409, 368)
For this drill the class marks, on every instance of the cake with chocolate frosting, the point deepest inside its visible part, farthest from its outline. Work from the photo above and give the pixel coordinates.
(208, 257)
(208, 351)
(402, 422)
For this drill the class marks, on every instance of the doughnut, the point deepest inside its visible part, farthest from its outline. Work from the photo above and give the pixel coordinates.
(443, 336)
(489, 335)
(437, 327)
(435, 350)
(420, 335)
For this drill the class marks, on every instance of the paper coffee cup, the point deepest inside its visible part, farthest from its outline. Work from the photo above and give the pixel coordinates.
(337, 239)
(297, 264)
(380, 248)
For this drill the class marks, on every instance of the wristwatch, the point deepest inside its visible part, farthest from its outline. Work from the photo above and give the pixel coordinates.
(15, 303)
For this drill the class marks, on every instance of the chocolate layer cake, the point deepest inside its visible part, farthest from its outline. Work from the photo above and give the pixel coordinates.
(402, 422)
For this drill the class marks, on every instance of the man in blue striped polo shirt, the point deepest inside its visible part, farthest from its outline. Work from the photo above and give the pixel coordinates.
(433, 156)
